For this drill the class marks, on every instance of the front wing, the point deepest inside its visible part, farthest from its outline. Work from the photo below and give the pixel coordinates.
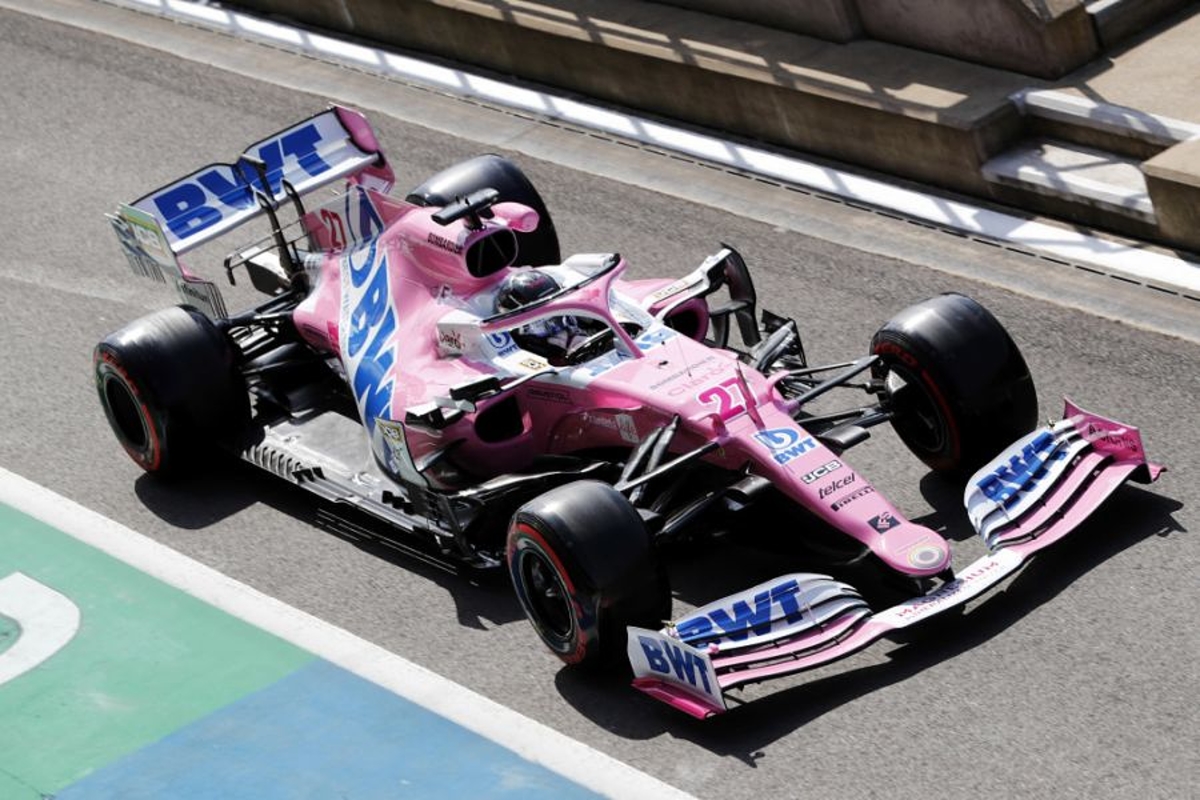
(1030, 496)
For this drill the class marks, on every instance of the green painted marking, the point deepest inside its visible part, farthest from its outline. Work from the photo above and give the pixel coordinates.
(147, 660)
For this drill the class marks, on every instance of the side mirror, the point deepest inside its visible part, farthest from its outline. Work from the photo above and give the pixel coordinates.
(517, 216)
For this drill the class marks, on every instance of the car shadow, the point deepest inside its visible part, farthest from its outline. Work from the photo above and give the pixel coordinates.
(483, 598)
(748, 729)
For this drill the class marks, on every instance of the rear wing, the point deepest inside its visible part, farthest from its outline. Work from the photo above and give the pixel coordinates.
(157, 228)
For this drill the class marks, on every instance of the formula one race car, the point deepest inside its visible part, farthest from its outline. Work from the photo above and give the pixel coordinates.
(437, 364)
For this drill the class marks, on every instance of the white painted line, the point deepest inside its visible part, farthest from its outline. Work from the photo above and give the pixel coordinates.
(526, 737)
(1160, 269)
(47, 621)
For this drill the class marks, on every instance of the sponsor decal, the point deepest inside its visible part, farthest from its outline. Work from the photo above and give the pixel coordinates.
(370, 317)
(841, 503)
(549, 395)
(205, 198)
(1023, 471)
(503, 344)
(628, 428)
(654, 336)
(884, 522)
(926, 556)
(821, 472)
(727, 396)
(835, 485)
(533, 364)
(682, 662)
(667, 291)
(452, 340)
(442, 243)
(976, 578)
(743, 618)
(785, 444)
(1116, 437)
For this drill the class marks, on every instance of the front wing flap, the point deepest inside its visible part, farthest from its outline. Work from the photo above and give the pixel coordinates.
(1030, 496)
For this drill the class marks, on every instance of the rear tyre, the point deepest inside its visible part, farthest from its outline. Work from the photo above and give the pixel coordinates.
(169, 388)
(583, 568)
(537, 247)
(957, 383)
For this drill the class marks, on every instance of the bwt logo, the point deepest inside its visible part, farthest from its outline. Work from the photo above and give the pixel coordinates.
(372, 324)
(665, 658)
(785, 443)
(203, 200)
(742, 618)
(1022, 472)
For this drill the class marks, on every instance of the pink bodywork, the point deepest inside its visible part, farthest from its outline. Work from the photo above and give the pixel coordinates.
(441, 340)
(1113, 454)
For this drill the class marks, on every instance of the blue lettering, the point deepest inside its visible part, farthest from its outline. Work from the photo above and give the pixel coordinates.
(300, 144)
(692, 629)
(777, 438)
(232, 194)
(792, 452)
(184, 209)
(653, 337)
(370, 308)
(369, 221)
(741, 619)
(369, 378)
(668, 658)
(684, 662)
(1021, 472)
(745, 619)
(654, 655)
(785, 595)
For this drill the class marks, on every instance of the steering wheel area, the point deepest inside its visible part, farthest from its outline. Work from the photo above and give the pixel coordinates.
(598, 343)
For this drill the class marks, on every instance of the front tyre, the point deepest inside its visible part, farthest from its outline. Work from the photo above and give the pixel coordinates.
(169, 388)
(583, 568)
(957, 384)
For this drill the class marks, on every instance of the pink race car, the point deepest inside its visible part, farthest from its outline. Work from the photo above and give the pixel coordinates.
(435, 363)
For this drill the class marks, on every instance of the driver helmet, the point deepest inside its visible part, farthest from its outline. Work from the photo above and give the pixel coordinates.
(527, 286)
(524, 287)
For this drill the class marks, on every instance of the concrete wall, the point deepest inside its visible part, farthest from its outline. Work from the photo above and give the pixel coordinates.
(887, 108)
(831, 20)
(1042, 38)
(1009, 34)
(1173, 181)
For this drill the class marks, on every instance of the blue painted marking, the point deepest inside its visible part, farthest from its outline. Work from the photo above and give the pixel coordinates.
(323, 732)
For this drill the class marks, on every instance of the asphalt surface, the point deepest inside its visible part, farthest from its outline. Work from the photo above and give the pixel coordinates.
(1076, 680)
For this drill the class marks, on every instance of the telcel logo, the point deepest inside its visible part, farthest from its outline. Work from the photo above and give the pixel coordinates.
(835, 485)
(742, 618)
(785, 443)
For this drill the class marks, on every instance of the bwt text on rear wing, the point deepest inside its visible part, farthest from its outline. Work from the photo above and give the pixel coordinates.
(159, 227)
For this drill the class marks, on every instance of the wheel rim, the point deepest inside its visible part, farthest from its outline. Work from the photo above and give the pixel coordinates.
(549, 601)
(918, 420)
(126, 413)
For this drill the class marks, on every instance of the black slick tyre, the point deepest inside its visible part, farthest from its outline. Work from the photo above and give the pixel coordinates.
(583, 568)
(169, 388)
(958, 385)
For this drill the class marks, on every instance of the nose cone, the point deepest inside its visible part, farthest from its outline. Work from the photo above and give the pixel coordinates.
(914, 549)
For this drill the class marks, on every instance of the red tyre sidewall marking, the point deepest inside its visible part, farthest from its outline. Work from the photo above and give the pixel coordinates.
(911, 361)
(151, 460)
(527, 531)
